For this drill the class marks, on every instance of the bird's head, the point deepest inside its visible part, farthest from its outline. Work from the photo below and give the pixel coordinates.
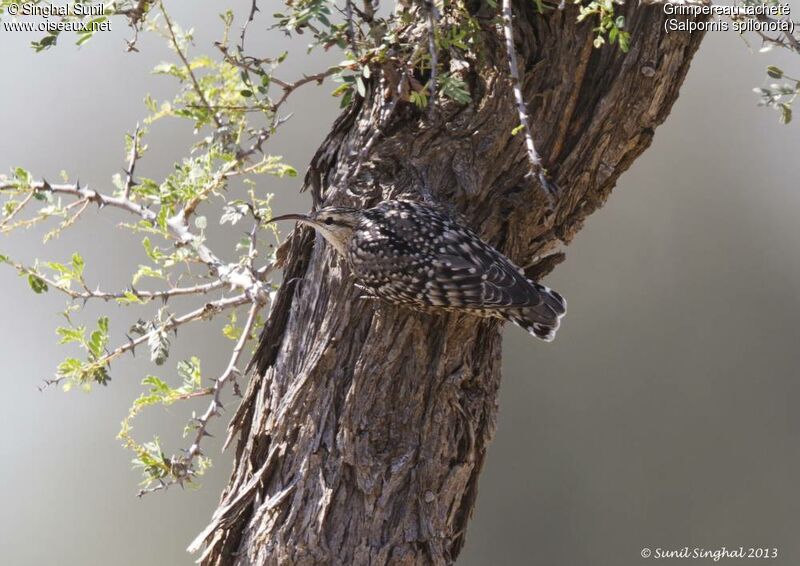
(336, 224)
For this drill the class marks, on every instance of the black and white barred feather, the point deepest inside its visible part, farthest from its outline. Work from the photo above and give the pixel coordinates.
(412, 254)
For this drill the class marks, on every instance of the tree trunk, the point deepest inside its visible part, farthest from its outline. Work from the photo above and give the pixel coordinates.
(363, 439)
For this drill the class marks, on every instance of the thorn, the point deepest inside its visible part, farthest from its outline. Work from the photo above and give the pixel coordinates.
(133, 346)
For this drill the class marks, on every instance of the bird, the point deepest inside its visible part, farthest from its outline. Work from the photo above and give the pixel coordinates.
(412, 254)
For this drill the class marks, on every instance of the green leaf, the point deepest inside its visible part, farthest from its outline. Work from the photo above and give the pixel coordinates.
(157, 385)
(129, 298)
(147, 271)
(189, 370)
(69, 367)
(77, 264)
(99, 338)
(84, 37)
(70, 334)
(786, 113)
(37, 284)
(23, 176)
(775, 72)
(624, 41)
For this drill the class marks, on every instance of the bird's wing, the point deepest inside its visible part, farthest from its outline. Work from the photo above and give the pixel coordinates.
(424, 258)
(471, 274)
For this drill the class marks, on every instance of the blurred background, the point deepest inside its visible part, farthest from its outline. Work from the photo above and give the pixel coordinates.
(663, 416)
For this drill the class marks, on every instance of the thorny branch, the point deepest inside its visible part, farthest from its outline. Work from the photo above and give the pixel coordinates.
(183, 467)
(87, 293)
(785, 39)
(231, 274)
(250, 17)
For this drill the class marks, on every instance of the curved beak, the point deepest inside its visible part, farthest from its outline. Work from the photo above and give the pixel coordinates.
(298, 217)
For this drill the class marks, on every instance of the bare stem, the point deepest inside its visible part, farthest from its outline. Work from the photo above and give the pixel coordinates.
(129, 181)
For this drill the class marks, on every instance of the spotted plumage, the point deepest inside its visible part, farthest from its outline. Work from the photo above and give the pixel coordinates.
(411, 254)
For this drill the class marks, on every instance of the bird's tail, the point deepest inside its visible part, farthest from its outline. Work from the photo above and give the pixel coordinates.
(544, 319)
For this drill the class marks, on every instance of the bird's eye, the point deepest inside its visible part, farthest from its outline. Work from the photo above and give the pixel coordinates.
(329, 221)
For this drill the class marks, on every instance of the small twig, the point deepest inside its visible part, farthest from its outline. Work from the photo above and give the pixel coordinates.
(185, 466)
(351, 32)
(86, 193)
(17, 210)
(250, 18)
(230, 107)
(82, 204)
(537, 170)
(188, 65)
(194, 394)
(209, 309)
(288, 88)
(129, 180)
(88, 293)
(231, 371)
(433, 17)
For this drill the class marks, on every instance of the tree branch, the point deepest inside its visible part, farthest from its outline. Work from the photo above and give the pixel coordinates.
(537, 170)
(129, 180)
(232, 274)
(184, 468)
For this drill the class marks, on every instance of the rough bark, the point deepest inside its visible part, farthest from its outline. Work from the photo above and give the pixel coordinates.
(363, 440)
